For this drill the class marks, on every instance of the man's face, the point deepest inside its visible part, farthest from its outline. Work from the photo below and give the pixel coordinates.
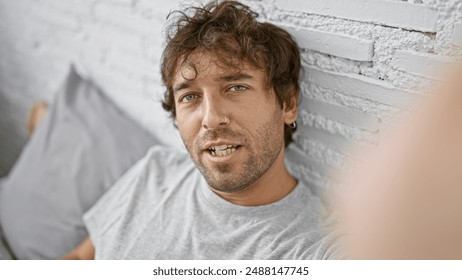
(230, 122)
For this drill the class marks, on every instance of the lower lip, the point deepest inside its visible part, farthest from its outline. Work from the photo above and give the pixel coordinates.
(222, 158)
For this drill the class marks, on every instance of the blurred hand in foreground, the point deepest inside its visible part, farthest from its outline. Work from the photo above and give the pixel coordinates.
(404, 199)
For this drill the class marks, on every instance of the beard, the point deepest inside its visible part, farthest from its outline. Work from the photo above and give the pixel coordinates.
(239, 175)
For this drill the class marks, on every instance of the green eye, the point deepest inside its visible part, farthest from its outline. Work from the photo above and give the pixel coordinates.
(238, 88)
(188, 98)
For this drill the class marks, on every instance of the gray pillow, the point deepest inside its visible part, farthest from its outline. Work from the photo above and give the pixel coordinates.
(79, 150)
(4, 251)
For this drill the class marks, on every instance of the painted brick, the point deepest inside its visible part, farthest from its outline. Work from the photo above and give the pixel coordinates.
(118, 79)
(12, 66)
(152, 49)
(62, 50)
(43, 15)
(134, 68)
(123, 18)
(391, 13)
(457, 34)
(330, 96)
(311, 177)
(320, 152)
(322, 136)
(342, 114)
(99, 36)
(423, 64)
(75, 8)
(307, 164)
(359, 86)
(128, 3)
(338, 143)
(16, 43)
(152, 10)
(298, 156)
(334, 44)
(337, 128)
(313, 173)
(13, 29)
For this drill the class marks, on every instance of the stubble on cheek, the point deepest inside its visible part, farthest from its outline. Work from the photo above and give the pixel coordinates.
(259, 155)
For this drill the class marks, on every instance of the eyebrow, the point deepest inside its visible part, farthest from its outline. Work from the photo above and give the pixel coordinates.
(226, 78)
(235, 77)
(181, 86)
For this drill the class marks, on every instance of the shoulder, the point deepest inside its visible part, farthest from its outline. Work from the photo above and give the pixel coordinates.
(168, 158)
(145, 183)
(323, 242)
(158, 168)
(164, 158)
(317, 239)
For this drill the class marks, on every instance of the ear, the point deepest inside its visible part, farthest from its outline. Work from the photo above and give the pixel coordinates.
(290, 110)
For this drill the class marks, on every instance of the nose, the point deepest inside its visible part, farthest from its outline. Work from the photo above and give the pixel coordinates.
(214, 112)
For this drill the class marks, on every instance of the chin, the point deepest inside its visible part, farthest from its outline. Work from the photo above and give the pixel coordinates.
(227, 188)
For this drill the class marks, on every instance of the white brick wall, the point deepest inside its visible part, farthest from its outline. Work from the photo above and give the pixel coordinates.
(457, 34)
(358, 86)
(334, 44)
(423, 64)
(390, 13)
(364, 62)
(118, 43)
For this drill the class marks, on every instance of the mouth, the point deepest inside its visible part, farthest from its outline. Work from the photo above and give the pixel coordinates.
(223, 150)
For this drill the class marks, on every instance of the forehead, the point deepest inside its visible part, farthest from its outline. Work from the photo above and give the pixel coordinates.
(201, 65)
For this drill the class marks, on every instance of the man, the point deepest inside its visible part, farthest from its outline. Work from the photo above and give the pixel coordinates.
(232, 89)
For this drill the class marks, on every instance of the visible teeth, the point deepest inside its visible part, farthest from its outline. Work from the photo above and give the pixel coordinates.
(223, 150)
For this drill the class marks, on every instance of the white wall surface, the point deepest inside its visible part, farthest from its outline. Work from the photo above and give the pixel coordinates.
(364, 61)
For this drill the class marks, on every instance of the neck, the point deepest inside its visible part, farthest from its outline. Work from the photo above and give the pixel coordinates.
(272, 186)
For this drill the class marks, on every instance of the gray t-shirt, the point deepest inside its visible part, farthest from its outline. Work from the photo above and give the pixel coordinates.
(162, 208)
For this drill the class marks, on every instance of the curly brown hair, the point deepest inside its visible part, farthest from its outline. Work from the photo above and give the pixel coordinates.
(230, 30)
